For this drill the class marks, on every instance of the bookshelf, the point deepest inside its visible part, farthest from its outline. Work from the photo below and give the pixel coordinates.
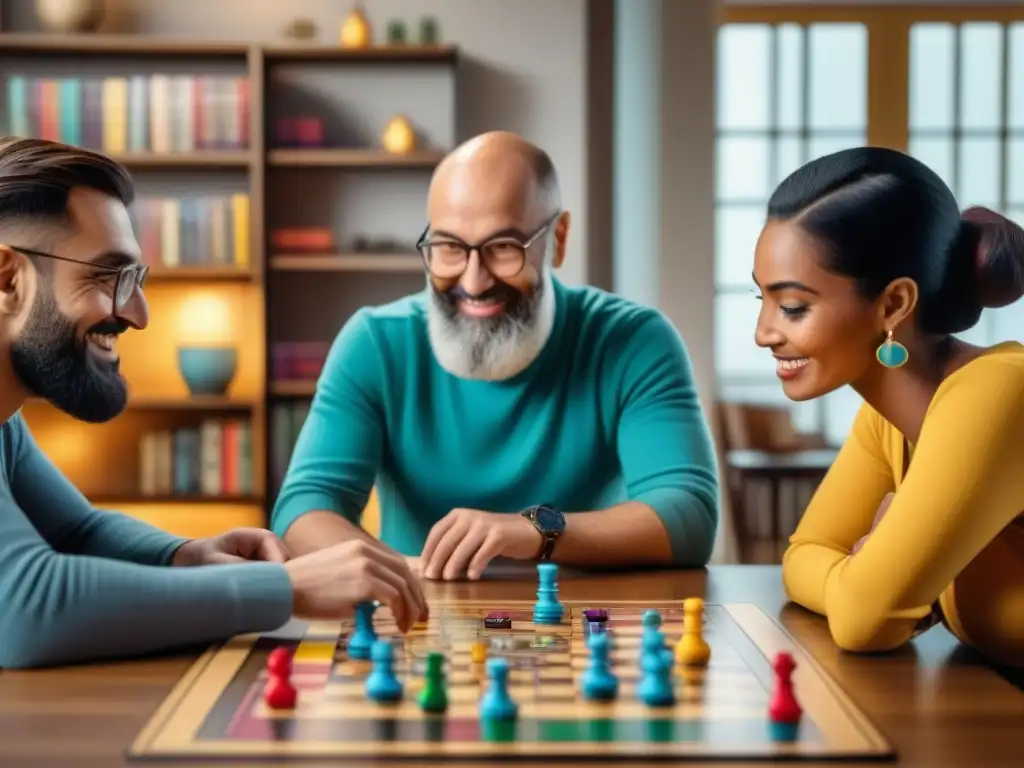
(280, 306)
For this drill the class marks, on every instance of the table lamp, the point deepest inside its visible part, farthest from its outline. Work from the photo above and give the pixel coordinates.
(207, 360)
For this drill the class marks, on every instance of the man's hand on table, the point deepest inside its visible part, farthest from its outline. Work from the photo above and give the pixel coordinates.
(330, 582)
(327, 583)
(466, 540)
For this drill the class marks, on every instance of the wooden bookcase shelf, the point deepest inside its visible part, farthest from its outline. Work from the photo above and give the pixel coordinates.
(352, 158)
(200, 274)
(279, 299)
(185, 160)
(346, 262)
(193, 403)
(110, 46)
(293, 388)
(188, 403)
(380, 54)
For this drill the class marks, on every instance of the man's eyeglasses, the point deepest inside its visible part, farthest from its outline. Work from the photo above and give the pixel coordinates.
(129, 276)
(447, 257)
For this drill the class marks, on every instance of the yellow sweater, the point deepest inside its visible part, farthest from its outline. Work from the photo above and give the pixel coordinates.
(953, 535)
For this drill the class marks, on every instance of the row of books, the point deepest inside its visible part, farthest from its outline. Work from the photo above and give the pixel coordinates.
(139, 113)
(193, 231)
(297, 360)
(211, 459)
(286, 423)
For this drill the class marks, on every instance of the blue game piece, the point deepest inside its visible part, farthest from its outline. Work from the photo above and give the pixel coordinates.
(598, 682)
(651, 620)
(656, 688)
(382, 684)
(652, 642)
(547, 609)
(363, 634)
(496, 703)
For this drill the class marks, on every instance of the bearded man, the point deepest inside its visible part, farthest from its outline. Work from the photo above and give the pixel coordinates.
(79, 583)
(501, 413)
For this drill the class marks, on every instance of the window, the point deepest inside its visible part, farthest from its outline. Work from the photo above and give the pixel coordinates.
(966, 121)
(787, 93)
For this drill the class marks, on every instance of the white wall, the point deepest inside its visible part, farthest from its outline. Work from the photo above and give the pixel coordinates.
(664, 172)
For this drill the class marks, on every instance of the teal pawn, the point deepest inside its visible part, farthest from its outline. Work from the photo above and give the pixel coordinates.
(598, 682)
(496, 703)
(361, 640)
(651, 635)
(382, 684)
(655, 688)
(547, 609)
(650, 620)
(651, 646)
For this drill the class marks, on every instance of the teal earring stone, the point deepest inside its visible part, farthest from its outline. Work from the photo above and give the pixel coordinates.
(891, 353)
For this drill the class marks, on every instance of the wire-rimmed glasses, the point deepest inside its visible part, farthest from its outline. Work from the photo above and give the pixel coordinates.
(129, 276)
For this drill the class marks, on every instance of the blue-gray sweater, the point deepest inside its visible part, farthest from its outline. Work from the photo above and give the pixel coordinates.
(80, 584)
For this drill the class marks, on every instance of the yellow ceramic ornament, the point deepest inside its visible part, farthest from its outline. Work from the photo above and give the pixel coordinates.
(399, 137)
(355, 32)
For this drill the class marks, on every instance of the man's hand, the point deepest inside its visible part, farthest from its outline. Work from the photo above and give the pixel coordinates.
(235, 546)
(882, 509)
(466, 540)
(330, 582)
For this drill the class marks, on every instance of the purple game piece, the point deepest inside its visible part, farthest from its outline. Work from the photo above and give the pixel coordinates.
(497, 621)
(595, 614)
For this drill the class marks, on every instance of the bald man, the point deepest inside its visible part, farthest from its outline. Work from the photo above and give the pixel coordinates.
(500, 413)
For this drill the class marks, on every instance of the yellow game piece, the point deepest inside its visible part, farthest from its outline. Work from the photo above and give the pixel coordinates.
(478, 652)
(692, 650)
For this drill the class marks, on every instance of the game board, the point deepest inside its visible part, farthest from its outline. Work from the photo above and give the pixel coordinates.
(721, 711)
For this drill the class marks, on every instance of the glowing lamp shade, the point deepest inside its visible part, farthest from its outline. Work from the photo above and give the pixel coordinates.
(205, 321)
(207, 359)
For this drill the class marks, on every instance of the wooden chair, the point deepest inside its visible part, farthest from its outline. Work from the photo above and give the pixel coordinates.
(762, 447)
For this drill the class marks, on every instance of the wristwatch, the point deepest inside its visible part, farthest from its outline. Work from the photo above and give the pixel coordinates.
(550, 522)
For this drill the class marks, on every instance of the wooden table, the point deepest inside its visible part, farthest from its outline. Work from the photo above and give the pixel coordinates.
(937, 703)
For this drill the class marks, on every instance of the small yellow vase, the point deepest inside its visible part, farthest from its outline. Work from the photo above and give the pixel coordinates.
(356, 32)
(399, 138)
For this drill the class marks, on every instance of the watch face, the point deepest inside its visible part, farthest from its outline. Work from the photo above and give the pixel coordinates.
(549, 520)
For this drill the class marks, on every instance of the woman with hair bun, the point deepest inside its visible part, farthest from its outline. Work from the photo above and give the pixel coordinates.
(865, 268)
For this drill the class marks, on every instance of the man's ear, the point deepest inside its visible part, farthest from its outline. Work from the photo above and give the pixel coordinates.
(561, 232)
(13, 281)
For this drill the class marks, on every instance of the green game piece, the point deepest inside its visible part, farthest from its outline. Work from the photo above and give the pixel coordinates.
(434, 697)
(396, 33)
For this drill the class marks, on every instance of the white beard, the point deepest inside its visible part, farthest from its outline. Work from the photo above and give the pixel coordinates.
(466, 347)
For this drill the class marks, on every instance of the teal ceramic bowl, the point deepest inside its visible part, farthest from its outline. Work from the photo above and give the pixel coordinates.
(207, 370)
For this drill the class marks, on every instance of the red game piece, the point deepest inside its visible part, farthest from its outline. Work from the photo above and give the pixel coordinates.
(279, 662)
(279, 693)
(784, 707)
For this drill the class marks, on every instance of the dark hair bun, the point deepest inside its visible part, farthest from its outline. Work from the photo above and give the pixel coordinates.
(998, 257)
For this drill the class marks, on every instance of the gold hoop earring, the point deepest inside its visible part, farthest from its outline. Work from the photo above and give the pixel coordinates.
(891, 353)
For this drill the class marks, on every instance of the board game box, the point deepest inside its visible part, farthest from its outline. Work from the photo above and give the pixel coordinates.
(720, 709)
